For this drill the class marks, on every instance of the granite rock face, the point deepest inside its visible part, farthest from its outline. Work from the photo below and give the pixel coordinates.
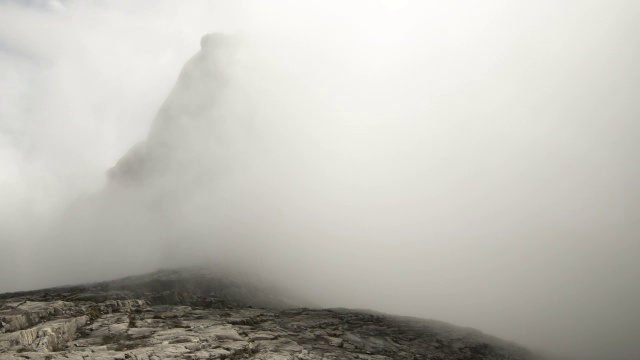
(185, 314)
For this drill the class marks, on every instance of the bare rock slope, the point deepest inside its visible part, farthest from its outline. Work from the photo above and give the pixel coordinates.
(193, 314)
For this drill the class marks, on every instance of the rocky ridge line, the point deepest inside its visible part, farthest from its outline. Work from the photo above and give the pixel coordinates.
(183, 314)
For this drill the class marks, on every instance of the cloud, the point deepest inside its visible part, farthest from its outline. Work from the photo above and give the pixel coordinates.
(475, 164)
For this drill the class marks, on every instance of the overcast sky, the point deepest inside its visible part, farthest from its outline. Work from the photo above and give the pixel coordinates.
(472, 163)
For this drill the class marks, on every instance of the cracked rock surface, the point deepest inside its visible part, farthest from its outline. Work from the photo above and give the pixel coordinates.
(185, 314)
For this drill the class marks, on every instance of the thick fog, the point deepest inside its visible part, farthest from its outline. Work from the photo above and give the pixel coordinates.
(472, 162)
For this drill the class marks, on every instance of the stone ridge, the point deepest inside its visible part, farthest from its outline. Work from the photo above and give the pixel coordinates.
(102, 321)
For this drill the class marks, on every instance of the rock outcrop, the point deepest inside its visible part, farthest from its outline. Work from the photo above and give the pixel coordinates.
(186, 131)
(186, 314)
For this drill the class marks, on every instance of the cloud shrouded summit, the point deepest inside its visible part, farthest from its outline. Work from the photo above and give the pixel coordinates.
(165, 201)
(474, 163)
(187, 128)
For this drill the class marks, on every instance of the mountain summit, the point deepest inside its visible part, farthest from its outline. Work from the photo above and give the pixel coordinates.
(190, 123)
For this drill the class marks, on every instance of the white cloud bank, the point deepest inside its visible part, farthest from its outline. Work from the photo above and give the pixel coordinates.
(471, 163)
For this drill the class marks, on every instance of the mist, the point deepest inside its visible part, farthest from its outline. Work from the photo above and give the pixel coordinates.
(471, 163)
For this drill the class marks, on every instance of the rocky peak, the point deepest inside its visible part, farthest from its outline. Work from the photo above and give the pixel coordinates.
(188, 124)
